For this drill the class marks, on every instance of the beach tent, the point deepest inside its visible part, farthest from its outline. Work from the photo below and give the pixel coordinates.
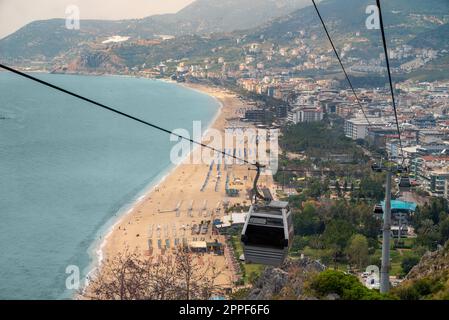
(198, 246)
(215, 247)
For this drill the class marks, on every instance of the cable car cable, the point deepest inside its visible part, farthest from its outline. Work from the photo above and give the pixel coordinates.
(341, 63)
(384, 42)
(101, 105)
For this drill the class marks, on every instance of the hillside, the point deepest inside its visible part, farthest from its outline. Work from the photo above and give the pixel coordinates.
(271, 24)
(212, 16)
(45, 40)
(433, 38)
(287, 281)
(306, 279)
(429, 279)
(406, 21)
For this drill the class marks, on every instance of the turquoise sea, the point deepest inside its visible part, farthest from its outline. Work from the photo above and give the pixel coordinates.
(68, 169)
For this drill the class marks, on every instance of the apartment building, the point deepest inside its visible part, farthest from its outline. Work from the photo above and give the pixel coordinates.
(305, 114)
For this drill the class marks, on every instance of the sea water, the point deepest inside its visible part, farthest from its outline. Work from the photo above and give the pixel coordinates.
(68, 169)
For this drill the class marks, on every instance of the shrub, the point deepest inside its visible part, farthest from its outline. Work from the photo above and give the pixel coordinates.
(348, 287)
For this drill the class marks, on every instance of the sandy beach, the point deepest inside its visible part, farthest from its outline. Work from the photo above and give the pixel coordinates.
(163, 218)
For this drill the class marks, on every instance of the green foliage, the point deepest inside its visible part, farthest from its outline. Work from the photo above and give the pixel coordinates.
(297, 200)
(317, 139)
(317, 188)
(240, 294)
(338, 232)
(444, 230)
(372, 187)
(408, 263)
(424, 288)
(253, 277)
(432, 38)
(307, 222)
(324, 232)
(299, 243)
(346, 286)
(431, 222)
(357, 250)
(407, 293)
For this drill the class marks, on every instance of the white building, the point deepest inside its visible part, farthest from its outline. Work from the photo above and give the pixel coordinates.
(305, 114)
(356, 128)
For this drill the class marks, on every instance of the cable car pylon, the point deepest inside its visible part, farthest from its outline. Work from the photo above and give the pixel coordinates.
(386, 228)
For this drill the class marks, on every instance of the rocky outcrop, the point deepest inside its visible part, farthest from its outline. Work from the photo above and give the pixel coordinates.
(429, 279)
(270, 283)
(431, 264)
(286, 282)
(92, 61)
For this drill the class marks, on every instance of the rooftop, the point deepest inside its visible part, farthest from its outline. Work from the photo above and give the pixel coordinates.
(400, 205)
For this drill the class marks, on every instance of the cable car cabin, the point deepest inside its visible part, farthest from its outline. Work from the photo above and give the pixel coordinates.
(376, 167)
(404, 184)
(268, 233)
(378, 209)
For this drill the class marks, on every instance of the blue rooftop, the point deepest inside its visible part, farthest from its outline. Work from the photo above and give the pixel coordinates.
(400, 205)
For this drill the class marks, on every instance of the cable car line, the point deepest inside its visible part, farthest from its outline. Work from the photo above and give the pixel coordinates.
(268, 232)
(341, 63)
(376, 167)
(257, 194)
(101, 105)
(404, 182)
(384, 42)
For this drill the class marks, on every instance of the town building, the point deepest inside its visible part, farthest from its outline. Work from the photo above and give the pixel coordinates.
(303, 114)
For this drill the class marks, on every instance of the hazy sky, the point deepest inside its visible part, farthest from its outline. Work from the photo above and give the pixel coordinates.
(14, 14)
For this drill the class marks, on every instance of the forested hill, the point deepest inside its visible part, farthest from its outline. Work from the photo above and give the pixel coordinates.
(49, 38)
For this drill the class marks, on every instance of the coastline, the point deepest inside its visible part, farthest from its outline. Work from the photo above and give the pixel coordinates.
(110, 237)
(97, 248)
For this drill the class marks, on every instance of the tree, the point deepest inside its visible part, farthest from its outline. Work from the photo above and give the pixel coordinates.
(337, 188)
(408, 263)
(316, 189)
(370, 226)
(372, 187)
(307, 221)
(129, 276)
(357, 250)
(436, 211)
(338, 232)
(428, 235)
(346, 286)
(336, 236)
(444, 230)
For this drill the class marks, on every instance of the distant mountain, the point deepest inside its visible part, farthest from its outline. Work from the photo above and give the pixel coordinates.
(202, 31)
(437, 38)
(205, 16)
(47, 39)
(406, 21)
(403, 19)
